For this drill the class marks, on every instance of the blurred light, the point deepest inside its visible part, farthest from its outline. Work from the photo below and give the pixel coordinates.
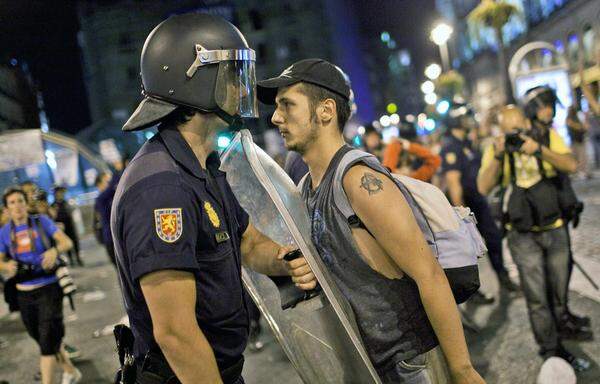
(361, 130)
(558, 44)
(357, 141)
(443, 107)
(441, 33)
(429, 124)
(391, 44)
(384, 120)
(573, 39)
(404, 57)
(223, 142)
(427, 87)
(430, 98)
(421, 118)
(385, 36)
(433, 71)
(410, 118)
(14, 62)
(394, 119)
(148, 135)
(392, 108)
(388, 133)
(50, 159)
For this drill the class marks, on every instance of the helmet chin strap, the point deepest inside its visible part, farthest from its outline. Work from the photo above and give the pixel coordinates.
(236, 123)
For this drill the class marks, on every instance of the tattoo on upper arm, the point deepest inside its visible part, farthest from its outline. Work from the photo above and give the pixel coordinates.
(371, 183)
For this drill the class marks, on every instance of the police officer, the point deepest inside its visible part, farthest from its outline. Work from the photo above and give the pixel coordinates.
(180, 234)
(460, 166)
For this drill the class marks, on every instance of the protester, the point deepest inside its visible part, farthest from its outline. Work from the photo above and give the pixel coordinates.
(405, 156)
(311, 99)
(106, 184)
(27, 254)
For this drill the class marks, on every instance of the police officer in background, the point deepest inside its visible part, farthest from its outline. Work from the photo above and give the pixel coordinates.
(460, 166)
(180, 234)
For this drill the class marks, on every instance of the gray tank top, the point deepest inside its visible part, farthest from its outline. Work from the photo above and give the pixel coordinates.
(390, 316)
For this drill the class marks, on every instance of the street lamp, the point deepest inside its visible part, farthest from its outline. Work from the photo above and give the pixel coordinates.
(433, 71)
(440, 35)
(427, 87)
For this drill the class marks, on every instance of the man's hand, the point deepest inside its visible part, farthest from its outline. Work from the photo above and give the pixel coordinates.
(530, 146)
(9, 268)
(466, 375)
(49, 258)
(298, 269)
(499, 145)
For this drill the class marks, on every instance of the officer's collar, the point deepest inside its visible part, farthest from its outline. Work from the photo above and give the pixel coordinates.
(181, 151)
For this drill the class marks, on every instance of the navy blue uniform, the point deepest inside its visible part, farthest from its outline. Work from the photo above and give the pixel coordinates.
(170, 213)
(458, 155)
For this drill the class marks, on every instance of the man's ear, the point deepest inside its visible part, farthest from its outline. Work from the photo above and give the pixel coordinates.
(326, 110)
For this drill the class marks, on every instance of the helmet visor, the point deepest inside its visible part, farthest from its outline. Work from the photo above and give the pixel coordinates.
(235, 89)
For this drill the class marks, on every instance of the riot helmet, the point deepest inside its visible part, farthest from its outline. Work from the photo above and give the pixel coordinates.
(538, 97)
(199, 61)
(460, 115)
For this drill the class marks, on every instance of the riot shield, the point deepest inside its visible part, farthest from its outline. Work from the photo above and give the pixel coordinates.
(317, 331)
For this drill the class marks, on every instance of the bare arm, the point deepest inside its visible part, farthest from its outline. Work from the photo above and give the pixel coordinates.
(171, 299)
(63, 242)
(260, 253)
(263, 255)
(9, 267)
(379, 203)
(563, 162)
(454, 187)
(487, 178)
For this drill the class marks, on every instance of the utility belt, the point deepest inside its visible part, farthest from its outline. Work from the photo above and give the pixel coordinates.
(154, 368)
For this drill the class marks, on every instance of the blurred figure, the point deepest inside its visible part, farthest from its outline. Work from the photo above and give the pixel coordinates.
(590, 91)
(578, 133)
(30, 189)
(460, 167)
(406, 157)
(63, 214)
(107, 186)
(371, 141)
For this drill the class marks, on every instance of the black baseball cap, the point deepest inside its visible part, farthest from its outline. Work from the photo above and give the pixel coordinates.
(314, 71)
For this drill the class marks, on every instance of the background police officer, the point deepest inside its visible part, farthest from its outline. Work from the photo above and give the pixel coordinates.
(460, 165)
(180, 234)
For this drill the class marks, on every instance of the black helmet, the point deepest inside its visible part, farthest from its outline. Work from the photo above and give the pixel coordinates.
(199, 61)
(537, 97)
(456, 115)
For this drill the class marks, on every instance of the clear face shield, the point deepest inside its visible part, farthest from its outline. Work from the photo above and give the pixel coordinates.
(235, 88)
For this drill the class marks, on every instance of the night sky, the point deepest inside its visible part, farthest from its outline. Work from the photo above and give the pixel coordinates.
(44, 35)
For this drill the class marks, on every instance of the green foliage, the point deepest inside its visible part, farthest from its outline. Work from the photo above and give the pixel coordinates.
(449, 84)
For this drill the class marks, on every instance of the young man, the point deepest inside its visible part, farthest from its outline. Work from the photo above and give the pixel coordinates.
(401, 318)
(180, 234)
(25, 252)
(539, 246)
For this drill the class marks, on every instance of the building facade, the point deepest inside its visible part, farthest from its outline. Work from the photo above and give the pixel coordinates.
(18, 100)
(572, 26)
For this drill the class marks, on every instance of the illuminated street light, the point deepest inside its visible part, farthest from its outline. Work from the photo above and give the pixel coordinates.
(430, 98)
(433, 71)
(394, 119)
(443, 107)
(427, 87)
(440, 35)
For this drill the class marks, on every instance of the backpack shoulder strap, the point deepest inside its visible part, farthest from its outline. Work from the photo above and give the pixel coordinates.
(350, 158)
(37, 225)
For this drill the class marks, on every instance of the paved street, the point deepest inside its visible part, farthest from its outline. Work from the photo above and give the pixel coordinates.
(503, 350)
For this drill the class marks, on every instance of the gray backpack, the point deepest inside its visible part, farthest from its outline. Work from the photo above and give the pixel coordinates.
(451, 232)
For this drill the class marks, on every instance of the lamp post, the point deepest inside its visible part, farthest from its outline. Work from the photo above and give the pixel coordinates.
(440, 35)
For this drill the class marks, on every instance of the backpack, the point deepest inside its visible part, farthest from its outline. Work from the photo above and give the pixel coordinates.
(451, 232)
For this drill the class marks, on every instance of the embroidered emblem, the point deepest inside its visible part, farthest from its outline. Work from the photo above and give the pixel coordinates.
(451, 158)
(169, 224)
(287, 72)
(212, 215)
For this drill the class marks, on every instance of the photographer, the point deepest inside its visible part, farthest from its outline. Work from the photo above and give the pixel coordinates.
(527, 160)
(24, 240)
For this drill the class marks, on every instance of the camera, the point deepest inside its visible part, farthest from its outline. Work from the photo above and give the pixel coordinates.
(513, 141)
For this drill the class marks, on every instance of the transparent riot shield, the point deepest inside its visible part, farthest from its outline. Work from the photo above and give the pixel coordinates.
(317, 331)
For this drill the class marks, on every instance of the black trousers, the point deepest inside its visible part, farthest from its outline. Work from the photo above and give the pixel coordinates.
(42, 314)
(490, 233)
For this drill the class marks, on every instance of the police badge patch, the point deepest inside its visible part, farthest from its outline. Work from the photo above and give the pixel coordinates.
(169, 224)
(212, 215)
